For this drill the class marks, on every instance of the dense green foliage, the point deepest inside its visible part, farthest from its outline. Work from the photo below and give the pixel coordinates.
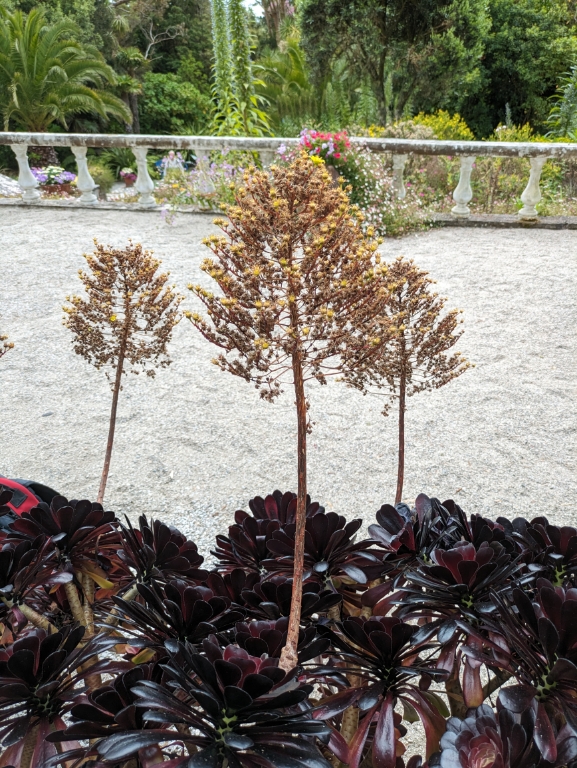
(220, 66)
(46, 77)
(175, 104)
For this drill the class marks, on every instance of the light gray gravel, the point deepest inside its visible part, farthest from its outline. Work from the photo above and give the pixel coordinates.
(195, 443)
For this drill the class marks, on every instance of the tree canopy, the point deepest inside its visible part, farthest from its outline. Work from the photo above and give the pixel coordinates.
(47, 77)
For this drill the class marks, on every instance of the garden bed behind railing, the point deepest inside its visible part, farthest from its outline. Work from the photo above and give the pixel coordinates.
(536, 154)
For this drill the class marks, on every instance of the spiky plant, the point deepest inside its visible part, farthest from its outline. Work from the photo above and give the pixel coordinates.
(125, 322)
(40, 677)
(231, 709)
(299, 292)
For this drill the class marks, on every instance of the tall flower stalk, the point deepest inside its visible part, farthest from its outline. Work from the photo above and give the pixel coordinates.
(299, 292)
(221, 48)
(126, 321)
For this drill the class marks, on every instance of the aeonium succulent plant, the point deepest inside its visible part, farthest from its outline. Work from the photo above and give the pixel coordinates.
(269, 637)
(278, 506)
(331, 551)
(85, 540)
(486, 740)
(551, 547)
(246, 545)
(26, 569)
(384, 660)
(231, 709)
(176, 611)
(542, 638)
(407, 536)
(111, 708)
(41, 676)
(270, 598)
(156, 553)
(461, 580)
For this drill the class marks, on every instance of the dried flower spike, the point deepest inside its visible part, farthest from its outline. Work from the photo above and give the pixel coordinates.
(125, 322)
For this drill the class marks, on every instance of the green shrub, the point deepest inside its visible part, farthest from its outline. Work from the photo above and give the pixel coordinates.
(102, 175)
(117, 158)
(172, 105)
(446, 127)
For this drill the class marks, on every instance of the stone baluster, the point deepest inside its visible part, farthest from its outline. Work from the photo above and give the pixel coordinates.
(28, 184)
(463, 193)
(205, 184)
(532, 194)
(84, 181)
(399, 162)
(267, 157)
(143, 184)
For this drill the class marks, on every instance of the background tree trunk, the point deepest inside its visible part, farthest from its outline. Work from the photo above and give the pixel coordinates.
(133, 103)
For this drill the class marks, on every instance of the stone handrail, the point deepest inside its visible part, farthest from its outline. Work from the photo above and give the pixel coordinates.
(537, 153)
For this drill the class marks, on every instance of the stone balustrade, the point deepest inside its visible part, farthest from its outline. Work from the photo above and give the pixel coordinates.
(537, 153)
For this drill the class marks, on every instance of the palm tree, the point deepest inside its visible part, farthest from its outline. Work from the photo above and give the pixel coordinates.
(46, 76)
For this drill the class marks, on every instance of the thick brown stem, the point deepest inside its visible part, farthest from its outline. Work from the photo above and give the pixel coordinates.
(289, 657)
(35, 618)
(28, 748)
(113, 619)
(495, 683)
(88, 589)
(74, 602)
(401, 466)
(455, 693)
(350, 721)
(112, 425)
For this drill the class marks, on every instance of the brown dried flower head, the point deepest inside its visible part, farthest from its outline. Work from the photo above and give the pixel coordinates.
(129, 312)
(297, 277)
(420, 335)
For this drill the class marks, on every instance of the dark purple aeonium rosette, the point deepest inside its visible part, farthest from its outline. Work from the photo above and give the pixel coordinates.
(230, 708)
(385, 661)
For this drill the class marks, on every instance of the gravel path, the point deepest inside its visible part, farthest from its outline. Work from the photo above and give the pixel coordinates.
(195, 444)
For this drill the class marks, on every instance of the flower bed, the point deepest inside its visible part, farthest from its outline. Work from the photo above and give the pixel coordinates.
(118, 645)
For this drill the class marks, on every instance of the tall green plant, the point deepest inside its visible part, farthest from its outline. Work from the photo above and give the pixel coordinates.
(238, 109)
(563, 115)
(240, 50)
(47, 77)
(221, 48)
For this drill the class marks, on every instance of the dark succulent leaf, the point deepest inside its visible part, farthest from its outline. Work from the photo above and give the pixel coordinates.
(270, 598)
(258, 637)
(482, 739)
(246, 545)
(173, 612)
(383, 655)
(41, 677)
(517, 698)
(461, 583)
(78, 529)
(227, 720)
(542, 641)
(331, 553)
(158, 553)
